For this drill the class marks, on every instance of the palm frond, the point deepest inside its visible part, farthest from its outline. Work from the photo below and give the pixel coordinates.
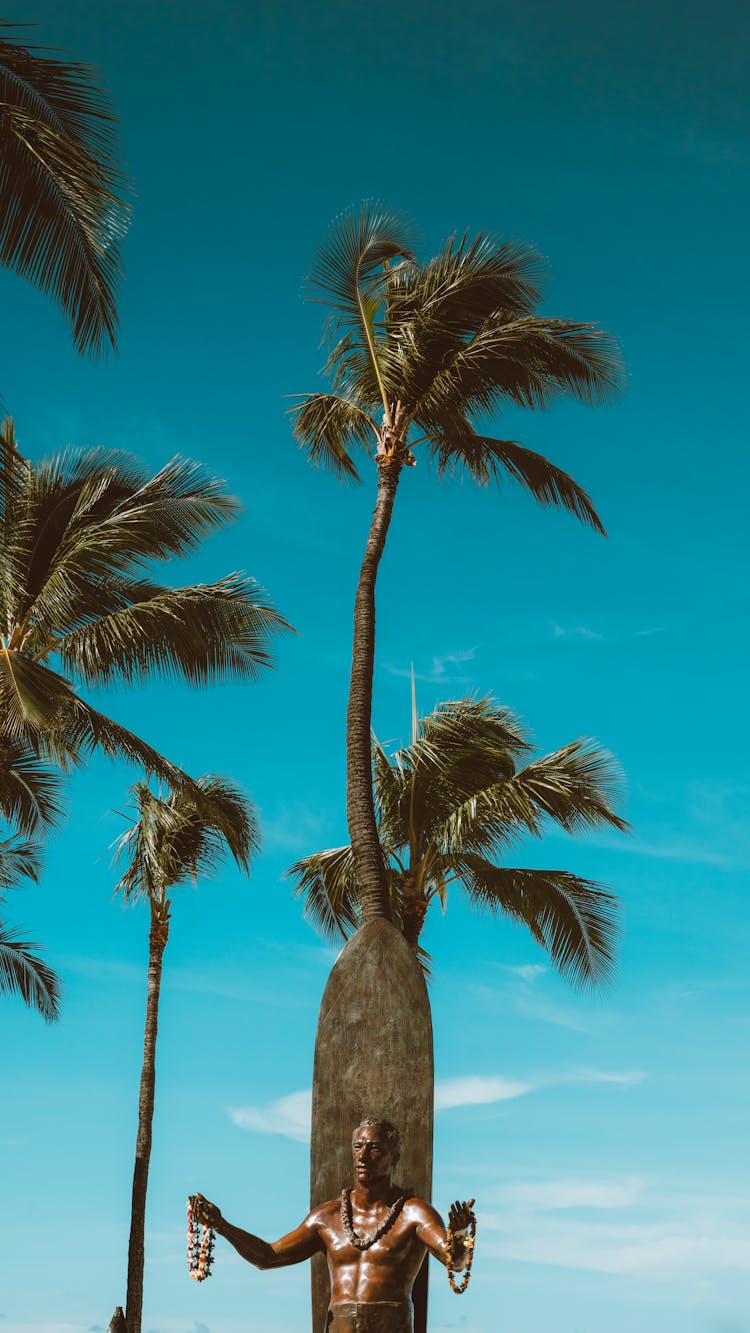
(23, 973)
(20, 858)
(351, 265)
(486, 459)
(30, 791)
(328, 427)
(95, 514)
(463, 747)
(83, 729)
(527, 362)
(463, 284)
(199, 634)
(14, 471)
(184, 836)
(576, 786)
(32, 697)
(574, 919)
(63, 205)
(328, 881)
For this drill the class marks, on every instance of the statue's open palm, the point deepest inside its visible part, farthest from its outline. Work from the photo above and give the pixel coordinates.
(460, 1215)
(205, 1213)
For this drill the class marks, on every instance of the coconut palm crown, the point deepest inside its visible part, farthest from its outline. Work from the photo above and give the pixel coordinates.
(79, 535)
(420, 353)
(453, 804)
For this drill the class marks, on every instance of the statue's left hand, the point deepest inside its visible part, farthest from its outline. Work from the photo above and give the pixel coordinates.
(205, 1213)
(460, 1215)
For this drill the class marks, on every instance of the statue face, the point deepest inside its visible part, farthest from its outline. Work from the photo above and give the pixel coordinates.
(372, 1158)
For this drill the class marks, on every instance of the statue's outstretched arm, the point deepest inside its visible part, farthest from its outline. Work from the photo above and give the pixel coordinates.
(293, 1248)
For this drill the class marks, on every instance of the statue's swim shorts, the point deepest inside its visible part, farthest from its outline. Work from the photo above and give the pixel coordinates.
(372, 1317)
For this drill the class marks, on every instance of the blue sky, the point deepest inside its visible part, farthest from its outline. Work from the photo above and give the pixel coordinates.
(605, 1137)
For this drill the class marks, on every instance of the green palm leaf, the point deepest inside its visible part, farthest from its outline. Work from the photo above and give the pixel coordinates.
(23, 973)
(465, 283)
(19, 858)
(63, 211)
(575, 920)
(351, 268)
(486, 460)
(30, 791)
(328, 428)
(199, 634)
(328, 881)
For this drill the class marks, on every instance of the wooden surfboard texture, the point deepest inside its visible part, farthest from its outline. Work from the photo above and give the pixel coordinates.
(373, 1057)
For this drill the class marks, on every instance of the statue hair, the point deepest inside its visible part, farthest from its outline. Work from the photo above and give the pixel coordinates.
(392, 1134)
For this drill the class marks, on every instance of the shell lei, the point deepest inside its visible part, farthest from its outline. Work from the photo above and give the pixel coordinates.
(200, 1248)
(364, 1242)
(460, 1287)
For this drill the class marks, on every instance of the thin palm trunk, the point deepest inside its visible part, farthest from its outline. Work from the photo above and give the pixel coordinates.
(360, 805)
(157, 942)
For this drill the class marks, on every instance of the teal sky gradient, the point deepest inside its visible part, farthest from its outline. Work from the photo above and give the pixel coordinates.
(609, 1155)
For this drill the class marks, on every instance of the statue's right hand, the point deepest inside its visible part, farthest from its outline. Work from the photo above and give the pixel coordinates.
(205, 1213)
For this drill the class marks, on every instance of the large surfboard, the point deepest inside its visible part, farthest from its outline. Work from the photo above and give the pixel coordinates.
(373, 1057)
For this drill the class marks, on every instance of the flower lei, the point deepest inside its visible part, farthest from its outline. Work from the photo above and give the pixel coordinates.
(364, 1242)
(200, 1248)
(460, 1287)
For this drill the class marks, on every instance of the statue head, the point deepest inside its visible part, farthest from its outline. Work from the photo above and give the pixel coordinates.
(376, 1148)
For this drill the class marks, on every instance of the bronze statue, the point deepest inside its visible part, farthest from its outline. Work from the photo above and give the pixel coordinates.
(374, 1238)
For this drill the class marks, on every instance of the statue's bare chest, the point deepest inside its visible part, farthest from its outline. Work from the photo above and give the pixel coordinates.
(393, 1247)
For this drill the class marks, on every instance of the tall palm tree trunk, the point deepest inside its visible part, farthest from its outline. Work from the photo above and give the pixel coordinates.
(158, 936)
(373, 1046)
(360, 806)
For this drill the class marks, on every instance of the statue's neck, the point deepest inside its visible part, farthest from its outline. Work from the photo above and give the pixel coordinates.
(366, 1196)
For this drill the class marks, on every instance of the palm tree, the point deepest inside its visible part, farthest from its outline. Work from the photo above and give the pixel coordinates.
(453, 803)
(79, 535)
(419, 353)
(174, 839)
(63, 211)
(22, 972)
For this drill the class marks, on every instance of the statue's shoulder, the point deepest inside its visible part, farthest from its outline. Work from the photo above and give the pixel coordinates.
(419, 1210)
(324, 1213)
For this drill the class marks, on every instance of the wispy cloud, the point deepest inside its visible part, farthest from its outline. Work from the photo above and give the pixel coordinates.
(528, 971)
(528, 1003)
(288, 1115)
(660, 1250)
(629, 1078)
(477, 1090)
(691, 850)
(574, 632)
(484, 1089)
(585, 632)
(441, 671)
(562, 1195)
